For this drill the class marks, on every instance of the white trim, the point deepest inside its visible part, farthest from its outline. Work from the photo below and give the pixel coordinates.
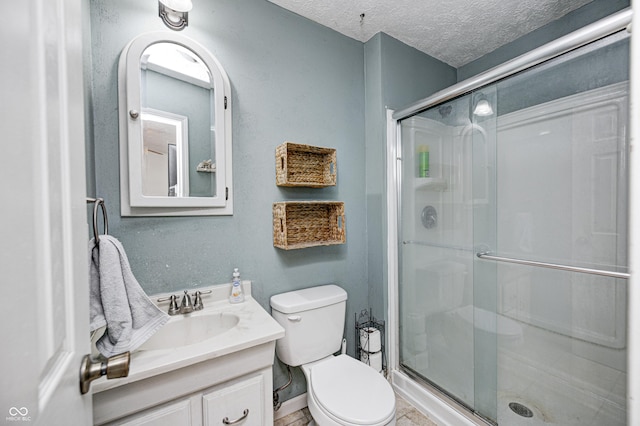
(132, 202)
(393, 130)
(437, 409)
(633, 301)
(291, 406)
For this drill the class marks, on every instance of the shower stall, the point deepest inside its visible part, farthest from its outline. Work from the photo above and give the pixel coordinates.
(508, 233)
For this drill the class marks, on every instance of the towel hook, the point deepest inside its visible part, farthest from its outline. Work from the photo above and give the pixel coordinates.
(105, 222)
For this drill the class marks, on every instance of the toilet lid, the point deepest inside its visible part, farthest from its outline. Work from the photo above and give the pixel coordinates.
(352, 391)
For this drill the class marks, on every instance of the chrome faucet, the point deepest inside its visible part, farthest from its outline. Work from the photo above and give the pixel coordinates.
(173, 304)
(197, 303)
(186, 306)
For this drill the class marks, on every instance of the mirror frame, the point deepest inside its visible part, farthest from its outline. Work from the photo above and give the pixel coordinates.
(132, 200)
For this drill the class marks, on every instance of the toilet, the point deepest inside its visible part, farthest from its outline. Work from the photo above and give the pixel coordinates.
(340, 389)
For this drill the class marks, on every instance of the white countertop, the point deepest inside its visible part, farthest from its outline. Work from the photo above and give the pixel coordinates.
(255, 327)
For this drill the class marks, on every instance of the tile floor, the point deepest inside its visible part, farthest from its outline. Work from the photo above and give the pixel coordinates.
(406, 415)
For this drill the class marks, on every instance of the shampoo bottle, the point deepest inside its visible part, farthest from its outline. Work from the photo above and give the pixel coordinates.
(237, 295)
(423, 161)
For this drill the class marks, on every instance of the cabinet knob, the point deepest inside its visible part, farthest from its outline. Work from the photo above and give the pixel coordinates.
(226, 420)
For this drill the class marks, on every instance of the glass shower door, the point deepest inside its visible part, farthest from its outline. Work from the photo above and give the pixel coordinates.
(561, 198)
(540, 177)
(437, 298)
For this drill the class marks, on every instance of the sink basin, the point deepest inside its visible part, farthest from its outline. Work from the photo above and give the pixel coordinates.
(185, 330)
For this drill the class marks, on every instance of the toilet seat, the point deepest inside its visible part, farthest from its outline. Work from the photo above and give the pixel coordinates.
(490, 322)
(351, 393)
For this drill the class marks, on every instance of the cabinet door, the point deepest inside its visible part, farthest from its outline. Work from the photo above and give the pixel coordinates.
(171, 414)
(243, 399)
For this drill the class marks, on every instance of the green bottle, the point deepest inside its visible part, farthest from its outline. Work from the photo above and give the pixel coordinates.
(423, 161)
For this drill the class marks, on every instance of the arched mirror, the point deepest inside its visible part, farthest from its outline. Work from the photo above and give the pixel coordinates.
(175, 129)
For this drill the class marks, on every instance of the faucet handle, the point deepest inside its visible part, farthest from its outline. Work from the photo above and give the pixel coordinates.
(197, 304)
(173, 304)
(186, 306)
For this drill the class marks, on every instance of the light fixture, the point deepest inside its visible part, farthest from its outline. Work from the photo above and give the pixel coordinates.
(174, 13)
(483, 107)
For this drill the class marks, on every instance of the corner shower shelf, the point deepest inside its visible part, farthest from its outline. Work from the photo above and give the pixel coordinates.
(305, 165)
(431, 184)
(302, 224)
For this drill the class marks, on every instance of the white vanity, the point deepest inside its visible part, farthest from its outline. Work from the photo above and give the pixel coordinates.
(209, 367)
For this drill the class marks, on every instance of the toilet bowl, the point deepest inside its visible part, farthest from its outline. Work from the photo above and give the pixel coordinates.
(344, 391)
(340, 390)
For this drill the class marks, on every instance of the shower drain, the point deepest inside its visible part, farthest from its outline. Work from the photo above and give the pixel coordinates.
(520, 409)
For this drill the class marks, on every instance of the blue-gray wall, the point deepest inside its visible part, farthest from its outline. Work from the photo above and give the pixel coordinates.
(179, 97)
(395, 75)
(292, 80)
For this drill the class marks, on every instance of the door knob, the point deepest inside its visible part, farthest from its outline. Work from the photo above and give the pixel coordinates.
(114, 367)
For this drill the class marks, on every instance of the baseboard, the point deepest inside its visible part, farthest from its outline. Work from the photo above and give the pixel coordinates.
(291, 406)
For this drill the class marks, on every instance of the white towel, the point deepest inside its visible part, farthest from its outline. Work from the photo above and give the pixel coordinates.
(118, 301)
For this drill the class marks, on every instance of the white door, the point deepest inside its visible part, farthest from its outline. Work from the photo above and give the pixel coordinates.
(43, 225)
(599, 228)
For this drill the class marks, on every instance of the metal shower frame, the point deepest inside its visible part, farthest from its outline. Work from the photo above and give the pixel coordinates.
(579, 38)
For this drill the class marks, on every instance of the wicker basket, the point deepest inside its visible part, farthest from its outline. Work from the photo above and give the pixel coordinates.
(301, 224)
(305, 165)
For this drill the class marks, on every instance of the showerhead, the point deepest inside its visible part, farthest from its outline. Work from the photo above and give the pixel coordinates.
(445, 110)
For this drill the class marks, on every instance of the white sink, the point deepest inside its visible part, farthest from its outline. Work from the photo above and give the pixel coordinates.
(185, 330)
(220, 335)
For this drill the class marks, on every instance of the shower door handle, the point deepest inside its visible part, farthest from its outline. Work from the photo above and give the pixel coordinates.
(604, 273)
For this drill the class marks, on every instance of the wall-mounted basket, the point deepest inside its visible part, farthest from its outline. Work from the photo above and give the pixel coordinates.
(301, 224)
(305, 165)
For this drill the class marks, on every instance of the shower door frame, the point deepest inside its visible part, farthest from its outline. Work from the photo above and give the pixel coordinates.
(442, 407)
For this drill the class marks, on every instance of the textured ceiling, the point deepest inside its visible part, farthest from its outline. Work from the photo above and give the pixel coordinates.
(454, 31)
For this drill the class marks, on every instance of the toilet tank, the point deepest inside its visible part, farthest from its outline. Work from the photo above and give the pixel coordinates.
(313, 320)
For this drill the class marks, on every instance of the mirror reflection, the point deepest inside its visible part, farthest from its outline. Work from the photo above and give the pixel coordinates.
(177, 123)
(165, 154)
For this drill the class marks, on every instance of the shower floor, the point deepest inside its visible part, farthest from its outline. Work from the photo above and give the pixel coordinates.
(547, 374)
(542, 371)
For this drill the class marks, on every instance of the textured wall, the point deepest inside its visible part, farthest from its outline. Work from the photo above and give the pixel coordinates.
(291, 80)
(396, 75)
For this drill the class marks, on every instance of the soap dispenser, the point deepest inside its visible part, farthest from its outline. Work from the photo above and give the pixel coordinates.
(237, 294)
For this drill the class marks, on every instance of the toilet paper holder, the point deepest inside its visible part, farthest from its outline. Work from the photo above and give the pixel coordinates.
(369, 334)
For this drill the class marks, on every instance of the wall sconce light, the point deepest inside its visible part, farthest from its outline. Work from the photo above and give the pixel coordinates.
(174, 13)
(483, 107)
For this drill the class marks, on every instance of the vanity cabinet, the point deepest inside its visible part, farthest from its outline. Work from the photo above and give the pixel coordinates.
(246, 400)
(203, 393)
(176, 413)
(242, 400)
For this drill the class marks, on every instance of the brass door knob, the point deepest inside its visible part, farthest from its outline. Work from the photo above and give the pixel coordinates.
(114, 367)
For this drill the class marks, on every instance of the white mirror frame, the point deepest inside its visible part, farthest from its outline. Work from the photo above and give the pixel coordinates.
(132, 201)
